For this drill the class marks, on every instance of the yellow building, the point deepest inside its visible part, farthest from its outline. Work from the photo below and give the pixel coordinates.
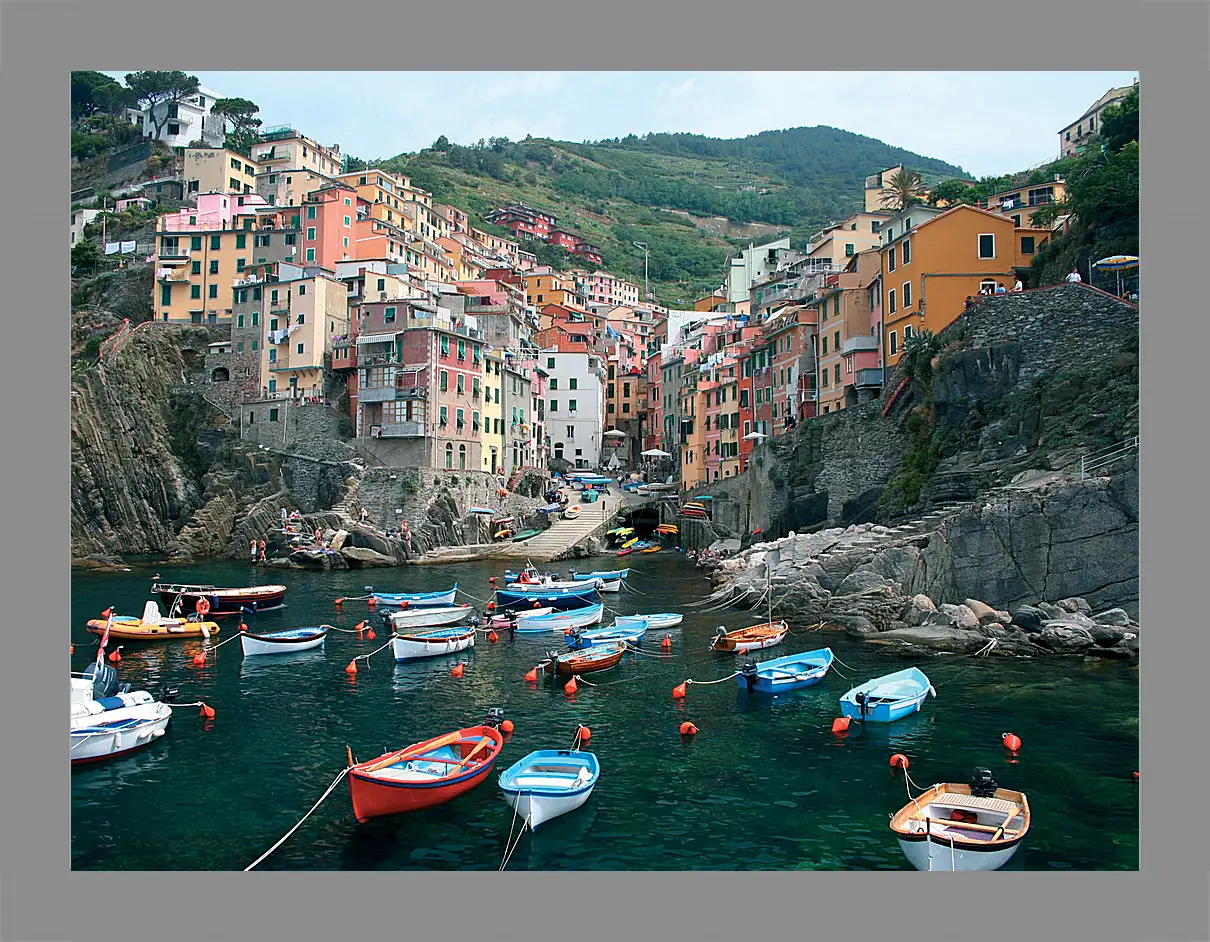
(383, 191)
(493, 412)
(548, 287)
(840, 242)
(289, 187)
(1020, 203)
(218, 170)
(301, 317)
(284, 149)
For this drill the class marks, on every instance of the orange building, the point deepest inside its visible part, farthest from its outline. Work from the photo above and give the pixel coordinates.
(930, 266)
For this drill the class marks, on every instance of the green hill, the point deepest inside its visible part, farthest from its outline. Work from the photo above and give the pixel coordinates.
(693, 199)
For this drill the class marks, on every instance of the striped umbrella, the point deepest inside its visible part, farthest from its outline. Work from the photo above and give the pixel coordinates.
(1118, 264)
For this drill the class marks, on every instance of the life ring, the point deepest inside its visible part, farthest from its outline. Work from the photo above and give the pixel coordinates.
(202, 607)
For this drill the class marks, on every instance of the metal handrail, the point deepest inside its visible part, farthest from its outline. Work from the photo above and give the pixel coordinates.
(1091, 463)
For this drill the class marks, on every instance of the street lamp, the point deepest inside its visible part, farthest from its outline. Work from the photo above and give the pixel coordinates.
(646, 290)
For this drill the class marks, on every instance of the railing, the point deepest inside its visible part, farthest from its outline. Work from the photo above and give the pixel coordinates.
(402, 430)
(868, 377)
(1103, 459)
(864, 342)
(376, 394)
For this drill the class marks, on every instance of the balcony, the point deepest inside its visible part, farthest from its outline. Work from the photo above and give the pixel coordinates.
(401, 430)
(172, 275)
(376, 394)
(868, 378)
(860, 343)
(411, 392)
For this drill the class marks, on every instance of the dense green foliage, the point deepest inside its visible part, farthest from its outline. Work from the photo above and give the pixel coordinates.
(242, 114)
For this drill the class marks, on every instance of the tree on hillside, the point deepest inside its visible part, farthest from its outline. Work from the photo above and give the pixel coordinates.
(152, 89)
(96, 93)
(442, 144)
(242, 114)
(353, 164)
(906, 189)
(952, 192)
(85, 255)
(1120, 122)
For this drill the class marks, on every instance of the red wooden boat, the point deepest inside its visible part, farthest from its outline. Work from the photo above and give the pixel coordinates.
(184, 597)
(750, 639)
(425, 774)
(597, 658)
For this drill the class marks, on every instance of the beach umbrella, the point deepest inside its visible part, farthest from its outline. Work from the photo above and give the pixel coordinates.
(1117, 264)
(755, 436)
(655, 453)
(614, 433)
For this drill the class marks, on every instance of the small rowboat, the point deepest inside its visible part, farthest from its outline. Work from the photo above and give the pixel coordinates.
(153, 626)
(110, 720)
(888, 698)
(561, 620)
(501, 534)
(521, 586)
(572, 512)
(625, 552)
(184, 597)
(429, 617)
(503, 621)
(283, 642)
(660, 620)
(425, 774)
(604, 574)
(548, 783)
(432, 642)
(785, 673)
(599, 657)
(525, 535)
(481, 510)
(749, 639)
(414, 599)
(547, 597)
(631, 634)
(962, 827)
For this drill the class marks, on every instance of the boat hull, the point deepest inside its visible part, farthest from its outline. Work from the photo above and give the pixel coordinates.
(569, 665)
(413, 647)
(118, 732)
(226, 601)
(661, 620)
(540, 808)
(408, 619)
(884, 712)
(259, 645)
(559, 600)
(605, 635)
(416, 599)
(738, 642)
(934, 853)
(161, 632)
(561, 621)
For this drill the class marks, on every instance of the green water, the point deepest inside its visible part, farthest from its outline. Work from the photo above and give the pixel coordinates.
(764, 785)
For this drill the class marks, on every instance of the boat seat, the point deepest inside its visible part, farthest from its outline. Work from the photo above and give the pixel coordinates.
(954, 800)
(556, 780)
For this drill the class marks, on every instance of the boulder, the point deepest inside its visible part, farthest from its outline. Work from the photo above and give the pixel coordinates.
(1051, 611)
(855, 626)
(359, 557)
(981, 609)
(1106, 636)
(1065, 639)
(1075, 605)
(1115, 617)
(1029, 617)
(861, 581)
(937, 638)
(917, 609)
(962, 616)
(310, 559)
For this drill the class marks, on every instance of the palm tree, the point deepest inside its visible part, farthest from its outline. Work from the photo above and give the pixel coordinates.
(918, 352)
(905, 188)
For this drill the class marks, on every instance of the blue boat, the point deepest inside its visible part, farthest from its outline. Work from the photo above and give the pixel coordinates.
(607, 574)
(548, 783)
(888, 698)
(549, 598)
(658, 620)
(560, 621)
(586, 638)
(414, 599)
(785, 673)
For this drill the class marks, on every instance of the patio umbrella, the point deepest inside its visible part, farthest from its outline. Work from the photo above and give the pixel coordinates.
(754, 436)
(614, 433)
(1118, 264)
(655, 453)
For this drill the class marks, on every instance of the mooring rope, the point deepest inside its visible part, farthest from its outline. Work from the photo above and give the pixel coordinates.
(520, 834)
(630, 647)
(707, 683)
(336, 781)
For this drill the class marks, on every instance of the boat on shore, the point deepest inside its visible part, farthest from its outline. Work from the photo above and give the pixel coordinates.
(953, 827)
(549, 782)
(571, 512)
(599, 657)
(152, 626)
(108, 719)
(283, 642)
(525, 535)
(428, 617)
(753, 638)
(432, 642)
(183, 597)
(888, 698)
(424, 774)
(785, 673)
(415, 599)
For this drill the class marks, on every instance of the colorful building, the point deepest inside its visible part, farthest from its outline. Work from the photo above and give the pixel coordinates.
(849, 353)
(217, 170)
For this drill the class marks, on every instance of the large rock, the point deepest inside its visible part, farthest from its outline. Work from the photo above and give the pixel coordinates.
(1029, 617)
(1075, 605)
(1106, 636)
(1065, 639)
(1115, 617)
(359, 557)
(981, 609)
(855, 626)
(962, 616)
(861, 581)
(937, 638)
(918, 608)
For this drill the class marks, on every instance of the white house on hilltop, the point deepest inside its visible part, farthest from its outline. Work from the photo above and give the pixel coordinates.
(189, 120)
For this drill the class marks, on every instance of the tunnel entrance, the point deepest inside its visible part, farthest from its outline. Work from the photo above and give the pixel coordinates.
(643, 519)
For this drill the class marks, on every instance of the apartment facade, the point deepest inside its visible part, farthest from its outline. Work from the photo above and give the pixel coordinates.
(284, 149)
(848, 311)
(575, 405)
(217, 170)
(187, 121)
(1077, 137)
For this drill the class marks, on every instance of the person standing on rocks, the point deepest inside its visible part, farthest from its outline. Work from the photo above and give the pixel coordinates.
(261, 546)
(252, 550)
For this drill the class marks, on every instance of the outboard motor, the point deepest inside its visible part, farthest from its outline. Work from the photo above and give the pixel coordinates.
(169, 693)
(983, 783)
(748, 672)
(575, 639)
(719, 631)
(104, 679)
(495, 716)
(861, 704)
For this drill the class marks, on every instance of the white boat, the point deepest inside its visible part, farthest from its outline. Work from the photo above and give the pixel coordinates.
(561, 621)
(431, 617)
(432, 642)
(660, 620)
(503, 621)
(109, 721)
(962, 827)
(538, 588)
(548, 783)
(286, 641)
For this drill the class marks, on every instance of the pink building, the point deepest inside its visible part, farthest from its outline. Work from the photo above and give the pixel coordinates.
(213, 211)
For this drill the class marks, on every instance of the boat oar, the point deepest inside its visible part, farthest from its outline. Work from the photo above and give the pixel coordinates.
(412, 751)
(485, 741)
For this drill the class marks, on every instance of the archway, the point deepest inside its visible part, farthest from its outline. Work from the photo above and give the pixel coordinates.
(220, 374)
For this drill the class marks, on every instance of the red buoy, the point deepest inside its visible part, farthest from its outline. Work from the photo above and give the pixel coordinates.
(491, 606)
(372, 602)
(899, 761)
(457, 670)
(338, 602)
(242, 626)
(370, 634)
(200, 659)
(688, 729)
(115, 657)
(492, 637)
(491, 579)
(360, 626)
(537, 604)
(666, 644)
(507, 727)
(1012, 742)
(840, 724)
(571, 686)
(679, 691)
(352, 668)
(584, 733)
(1134, 776)
(207, 711)
(73, 649)
(532, 676)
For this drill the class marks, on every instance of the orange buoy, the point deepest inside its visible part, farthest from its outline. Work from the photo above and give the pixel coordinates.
(352, 668)
(372, 602)
(571, 686)
(338, 602)
(1012, 742)
(666, 644)
(584, 733)
(688, 729)
(200, 659)
(370, 634)
(360, 625)
(507, 727)
(1134, 776)
(242, 626)
(115, 657)
(567, 631)
(537, 604)
(207, 711)
(491, 606)
(491, 579)
(899, 761)
(492, 637)
(457, 671)
(532, 676)
(202, 607)
(840, 724)
(679, 691)
(73, 649)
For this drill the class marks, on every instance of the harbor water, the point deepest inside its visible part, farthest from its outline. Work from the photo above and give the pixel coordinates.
(764, 785)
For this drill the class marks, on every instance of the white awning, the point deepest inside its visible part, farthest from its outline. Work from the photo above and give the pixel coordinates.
(378, 338)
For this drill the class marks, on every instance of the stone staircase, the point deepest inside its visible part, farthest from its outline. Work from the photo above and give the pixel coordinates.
(551, 544)
(349, 507)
